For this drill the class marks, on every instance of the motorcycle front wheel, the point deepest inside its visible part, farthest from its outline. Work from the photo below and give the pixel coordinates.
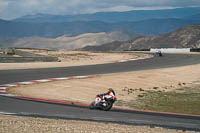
(108, 106)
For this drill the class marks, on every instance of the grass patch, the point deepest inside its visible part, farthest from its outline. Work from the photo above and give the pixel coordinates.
(187, 102)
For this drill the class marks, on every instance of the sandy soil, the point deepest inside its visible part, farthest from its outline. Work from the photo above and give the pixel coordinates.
(71, 58)
(84, 90)
(15, 124)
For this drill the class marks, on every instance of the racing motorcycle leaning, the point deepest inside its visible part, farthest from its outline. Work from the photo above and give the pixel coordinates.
(104, 101)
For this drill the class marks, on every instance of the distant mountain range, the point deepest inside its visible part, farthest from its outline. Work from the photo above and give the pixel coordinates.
(147, 22)
(113, 17)
(186, 37)
(52, 30)
(46, 29)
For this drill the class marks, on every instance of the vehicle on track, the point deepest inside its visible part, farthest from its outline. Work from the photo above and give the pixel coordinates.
(104, 101)
(159, 53)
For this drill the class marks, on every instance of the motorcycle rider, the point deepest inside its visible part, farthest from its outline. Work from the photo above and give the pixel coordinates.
(104, 96)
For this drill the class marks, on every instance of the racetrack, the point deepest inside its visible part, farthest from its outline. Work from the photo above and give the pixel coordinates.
(32, 108)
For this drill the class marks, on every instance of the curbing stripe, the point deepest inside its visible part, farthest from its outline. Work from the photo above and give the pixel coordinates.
(25, 83)
(3, 88)
(20, 83)
(92, 76)
(3, 92)
(80, 77)
(34, 81)
(9, 85)
(53, 79)
(7, 95)
(71, 78)
(62, 78)
(43, 80)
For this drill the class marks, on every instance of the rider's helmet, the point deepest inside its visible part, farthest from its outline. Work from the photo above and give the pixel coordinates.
(111, 90)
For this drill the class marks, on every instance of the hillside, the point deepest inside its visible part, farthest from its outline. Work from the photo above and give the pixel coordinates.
(150, 22)
(186, 37)
(21, 29)
(113, 17)
(52, 30)
(71, 43)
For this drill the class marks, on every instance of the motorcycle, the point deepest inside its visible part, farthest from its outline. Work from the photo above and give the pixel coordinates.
(158, 53)
(103, 102)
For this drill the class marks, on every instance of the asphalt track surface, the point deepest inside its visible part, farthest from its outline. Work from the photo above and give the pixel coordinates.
(49, 110)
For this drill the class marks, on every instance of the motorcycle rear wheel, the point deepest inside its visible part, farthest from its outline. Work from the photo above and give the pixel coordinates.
(92, 105)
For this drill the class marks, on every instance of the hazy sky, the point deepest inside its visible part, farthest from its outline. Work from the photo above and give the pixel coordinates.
(10, 9)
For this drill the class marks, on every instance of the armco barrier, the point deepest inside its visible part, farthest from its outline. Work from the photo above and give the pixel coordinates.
(170, 50)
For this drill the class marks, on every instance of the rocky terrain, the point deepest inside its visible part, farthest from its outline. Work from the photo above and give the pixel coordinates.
(186, 37)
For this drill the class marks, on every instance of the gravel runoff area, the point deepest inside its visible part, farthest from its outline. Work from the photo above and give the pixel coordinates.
(18, 124)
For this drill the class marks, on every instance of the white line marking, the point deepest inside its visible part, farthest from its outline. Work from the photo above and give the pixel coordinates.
(7, 113)
(8, 95)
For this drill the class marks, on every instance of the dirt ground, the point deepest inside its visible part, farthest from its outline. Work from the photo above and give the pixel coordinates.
(71, 58)
(16, 124)
(126, 85)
